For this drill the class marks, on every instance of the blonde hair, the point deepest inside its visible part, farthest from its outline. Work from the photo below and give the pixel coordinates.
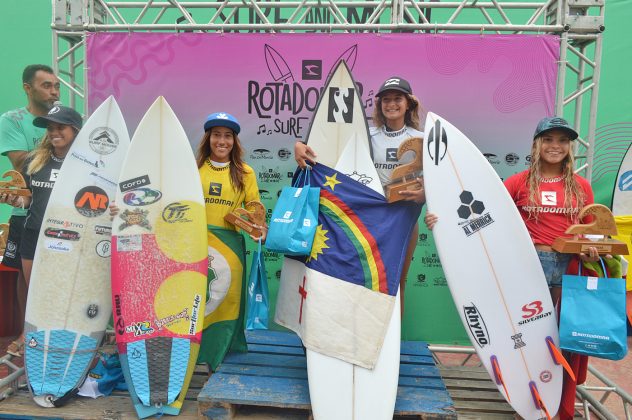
(411, 118)
(572, 189)
(42, 153)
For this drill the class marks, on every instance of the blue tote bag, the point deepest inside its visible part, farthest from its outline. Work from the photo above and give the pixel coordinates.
(294, 219)
(258, 301)
(593, 318)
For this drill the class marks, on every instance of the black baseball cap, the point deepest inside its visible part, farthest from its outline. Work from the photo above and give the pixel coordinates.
(61, 115)
(554, 123)
(395, 83)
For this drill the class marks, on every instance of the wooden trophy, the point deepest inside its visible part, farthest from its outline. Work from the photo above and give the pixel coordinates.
(404, 177)
(246, 218)
(16, 185)
(603, 224)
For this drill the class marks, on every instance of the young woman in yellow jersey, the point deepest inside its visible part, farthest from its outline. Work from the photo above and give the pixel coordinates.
(228, 183)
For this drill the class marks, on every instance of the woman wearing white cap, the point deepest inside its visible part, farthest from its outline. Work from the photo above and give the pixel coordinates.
(396, 118)
(41, 169)
(228, 183)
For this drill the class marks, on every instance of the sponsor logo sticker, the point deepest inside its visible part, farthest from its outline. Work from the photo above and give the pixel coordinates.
(58, 246)
(476, 325)
(340, 107)
(103, 140)
(132, 184)
(91, 201)
(69, 235)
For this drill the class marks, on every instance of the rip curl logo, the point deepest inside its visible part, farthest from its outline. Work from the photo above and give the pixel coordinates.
(340, 108)
(549, 198)
(54, 110)
(222, 116)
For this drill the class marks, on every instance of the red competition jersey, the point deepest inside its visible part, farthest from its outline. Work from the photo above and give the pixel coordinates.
(553, 218)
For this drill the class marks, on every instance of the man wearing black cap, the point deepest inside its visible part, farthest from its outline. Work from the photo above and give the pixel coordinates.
(18, 136)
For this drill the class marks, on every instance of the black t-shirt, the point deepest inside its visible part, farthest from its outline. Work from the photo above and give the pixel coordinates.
(41, 184)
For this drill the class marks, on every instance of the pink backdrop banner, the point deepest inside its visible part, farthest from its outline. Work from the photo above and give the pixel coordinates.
(494, 88)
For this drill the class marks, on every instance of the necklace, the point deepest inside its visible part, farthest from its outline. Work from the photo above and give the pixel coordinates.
(551, 180)
(56, 159)
(217, 167)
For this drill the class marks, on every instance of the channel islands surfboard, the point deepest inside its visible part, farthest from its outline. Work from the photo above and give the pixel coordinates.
(69, 302)
(159, 263)
(340, 390)
(492, 270)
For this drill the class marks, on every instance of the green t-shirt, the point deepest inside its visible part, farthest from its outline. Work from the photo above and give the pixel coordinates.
(17, 132)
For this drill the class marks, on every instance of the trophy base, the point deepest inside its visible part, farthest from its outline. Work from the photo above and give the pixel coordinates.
(576, 246)
(393, 190)
(243, 224)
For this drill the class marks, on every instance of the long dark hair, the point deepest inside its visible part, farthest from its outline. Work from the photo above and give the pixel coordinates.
(236, 158)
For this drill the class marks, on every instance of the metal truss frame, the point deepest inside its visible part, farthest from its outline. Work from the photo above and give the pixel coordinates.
(578, 23)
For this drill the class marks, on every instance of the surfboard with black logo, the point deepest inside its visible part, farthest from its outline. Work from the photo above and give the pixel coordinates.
(339, 115)
(493, 271)
(69, 302)
(339, 135)
(159, 264)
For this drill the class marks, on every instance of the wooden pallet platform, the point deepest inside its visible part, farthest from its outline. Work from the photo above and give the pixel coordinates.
(273, 374)
(117, 406)
(475, 395)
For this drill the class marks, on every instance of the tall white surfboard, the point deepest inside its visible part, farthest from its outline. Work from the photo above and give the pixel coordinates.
(69, 301)
(492, 270)
(338, 389)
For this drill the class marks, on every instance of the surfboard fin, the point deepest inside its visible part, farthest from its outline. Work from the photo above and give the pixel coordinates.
(538, 400)
(558, 358)
(498, 376)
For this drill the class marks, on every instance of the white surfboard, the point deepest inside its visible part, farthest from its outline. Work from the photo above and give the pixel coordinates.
(69, 301)
(338, 389)
(492, 269)
(622, 194)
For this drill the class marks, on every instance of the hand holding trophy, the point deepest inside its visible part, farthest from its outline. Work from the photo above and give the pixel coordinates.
(250, 219)
(404, 177)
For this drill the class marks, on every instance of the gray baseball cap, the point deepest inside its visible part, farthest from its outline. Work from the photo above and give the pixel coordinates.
(554, 123)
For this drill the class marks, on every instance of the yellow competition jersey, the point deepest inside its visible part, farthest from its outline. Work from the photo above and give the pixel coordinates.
(220, 195)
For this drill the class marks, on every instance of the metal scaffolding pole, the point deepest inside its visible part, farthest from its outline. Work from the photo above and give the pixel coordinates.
(578, 23)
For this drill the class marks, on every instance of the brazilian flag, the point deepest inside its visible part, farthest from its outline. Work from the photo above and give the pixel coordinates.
(225, 297)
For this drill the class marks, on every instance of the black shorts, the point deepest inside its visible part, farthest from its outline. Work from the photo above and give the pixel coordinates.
(28, 243)
(12, 257)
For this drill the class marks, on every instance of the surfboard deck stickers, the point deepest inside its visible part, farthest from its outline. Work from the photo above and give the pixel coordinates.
(493, 271)
(159, 263)
(340, 137)
(69, 302)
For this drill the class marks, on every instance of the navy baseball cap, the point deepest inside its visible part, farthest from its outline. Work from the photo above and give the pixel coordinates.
(222, 119)
(395, 83)
(61, 115)
(554, 123)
